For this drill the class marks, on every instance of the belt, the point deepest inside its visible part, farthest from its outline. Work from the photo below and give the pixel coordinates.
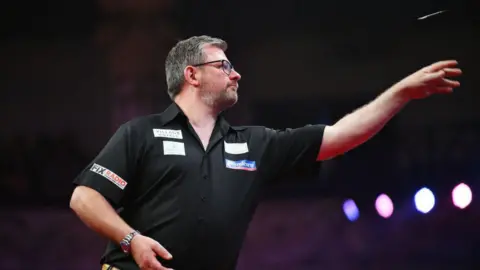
(109, 267)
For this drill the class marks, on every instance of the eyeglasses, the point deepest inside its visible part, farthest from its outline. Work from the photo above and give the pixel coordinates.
(227, 67)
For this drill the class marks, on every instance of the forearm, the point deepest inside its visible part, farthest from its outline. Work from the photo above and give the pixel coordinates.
(360, 125)
(97, 213)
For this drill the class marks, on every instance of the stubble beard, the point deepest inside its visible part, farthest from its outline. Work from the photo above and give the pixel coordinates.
(220, 100)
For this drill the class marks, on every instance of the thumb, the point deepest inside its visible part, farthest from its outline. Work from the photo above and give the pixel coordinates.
(161, 251)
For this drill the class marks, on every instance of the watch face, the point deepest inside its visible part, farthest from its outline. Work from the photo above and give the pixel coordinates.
(125, 247)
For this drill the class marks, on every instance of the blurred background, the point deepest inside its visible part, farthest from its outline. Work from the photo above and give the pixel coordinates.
(73, 71)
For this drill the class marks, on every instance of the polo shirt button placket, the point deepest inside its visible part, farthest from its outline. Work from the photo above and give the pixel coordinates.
(203, 197)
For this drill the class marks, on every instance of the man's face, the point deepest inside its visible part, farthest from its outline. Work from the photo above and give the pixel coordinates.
(217, 88)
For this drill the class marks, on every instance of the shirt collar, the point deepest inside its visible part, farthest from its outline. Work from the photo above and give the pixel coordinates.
(174, 111)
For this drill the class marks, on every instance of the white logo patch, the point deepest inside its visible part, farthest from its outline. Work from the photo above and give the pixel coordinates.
(111, 176)
(167, 133)
(236, 148)
(173, 148)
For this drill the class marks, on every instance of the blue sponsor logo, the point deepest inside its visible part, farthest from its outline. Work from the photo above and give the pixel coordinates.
(246, 165)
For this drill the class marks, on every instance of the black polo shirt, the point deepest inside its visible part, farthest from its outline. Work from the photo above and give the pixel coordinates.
(197, 203)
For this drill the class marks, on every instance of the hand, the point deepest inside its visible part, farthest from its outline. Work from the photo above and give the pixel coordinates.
(145, 250)
(430, 80)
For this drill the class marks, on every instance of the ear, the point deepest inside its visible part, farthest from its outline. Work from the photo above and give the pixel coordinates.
(191, 76)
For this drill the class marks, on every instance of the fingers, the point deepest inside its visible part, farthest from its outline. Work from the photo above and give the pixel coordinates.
(441, 65)
(438, 77)
(151, 263)
(161, 251)
(452, 72)
(444, 90)
(450, 83)
(439, 84)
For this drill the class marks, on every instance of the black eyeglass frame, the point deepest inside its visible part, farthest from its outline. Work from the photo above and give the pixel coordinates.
(228, 72)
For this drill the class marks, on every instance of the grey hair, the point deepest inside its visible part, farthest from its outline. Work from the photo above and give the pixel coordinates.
(187, 52)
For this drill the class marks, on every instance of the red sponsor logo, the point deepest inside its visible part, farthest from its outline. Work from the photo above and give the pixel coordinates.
(113, 177)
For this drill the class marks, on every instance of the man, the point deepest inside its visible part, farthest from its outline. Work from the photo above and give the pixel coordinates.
(178, 189)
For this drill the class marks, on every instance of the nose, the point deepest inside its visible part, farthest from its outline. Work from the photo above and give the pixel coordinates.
(235, 76)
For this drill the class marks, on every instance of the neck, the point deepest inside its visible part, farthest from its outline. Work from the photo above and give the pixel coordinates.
(199, 114)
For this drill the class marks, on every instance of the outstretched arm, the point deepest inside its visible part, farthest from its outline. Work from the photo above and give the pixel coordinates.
(362, 124)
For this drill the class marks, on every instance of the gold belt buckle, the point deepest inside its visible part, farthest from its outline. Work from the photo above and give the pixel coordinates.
(109, 267)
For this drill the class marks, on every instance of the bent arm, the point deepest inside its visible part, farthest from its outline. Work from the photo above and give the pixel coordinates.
(97, 213)
(360, 125)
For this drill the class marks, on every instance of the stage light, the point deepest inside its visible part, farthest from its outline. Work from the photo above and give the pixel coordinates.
(424, 200)
(461, 196)
(384, 206)
(351, 210)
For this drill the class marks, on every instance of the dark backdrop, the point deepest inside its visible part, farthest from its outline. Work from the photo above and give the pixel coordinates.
(72, 71)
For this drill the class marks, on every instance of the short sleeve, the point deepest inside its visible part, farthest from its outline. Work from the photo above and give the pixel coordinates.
(293, 152)
(112, 170)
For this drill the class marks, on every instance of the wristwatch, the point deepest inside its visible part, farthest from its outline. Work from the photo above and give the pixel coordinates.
(125, 243)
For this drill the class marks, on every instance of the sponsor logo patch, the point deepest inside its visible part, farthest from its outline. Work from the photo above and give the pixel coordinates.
(245, 165)
(167, 133)
(173, 148)
(111, 176)
(236, 148)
